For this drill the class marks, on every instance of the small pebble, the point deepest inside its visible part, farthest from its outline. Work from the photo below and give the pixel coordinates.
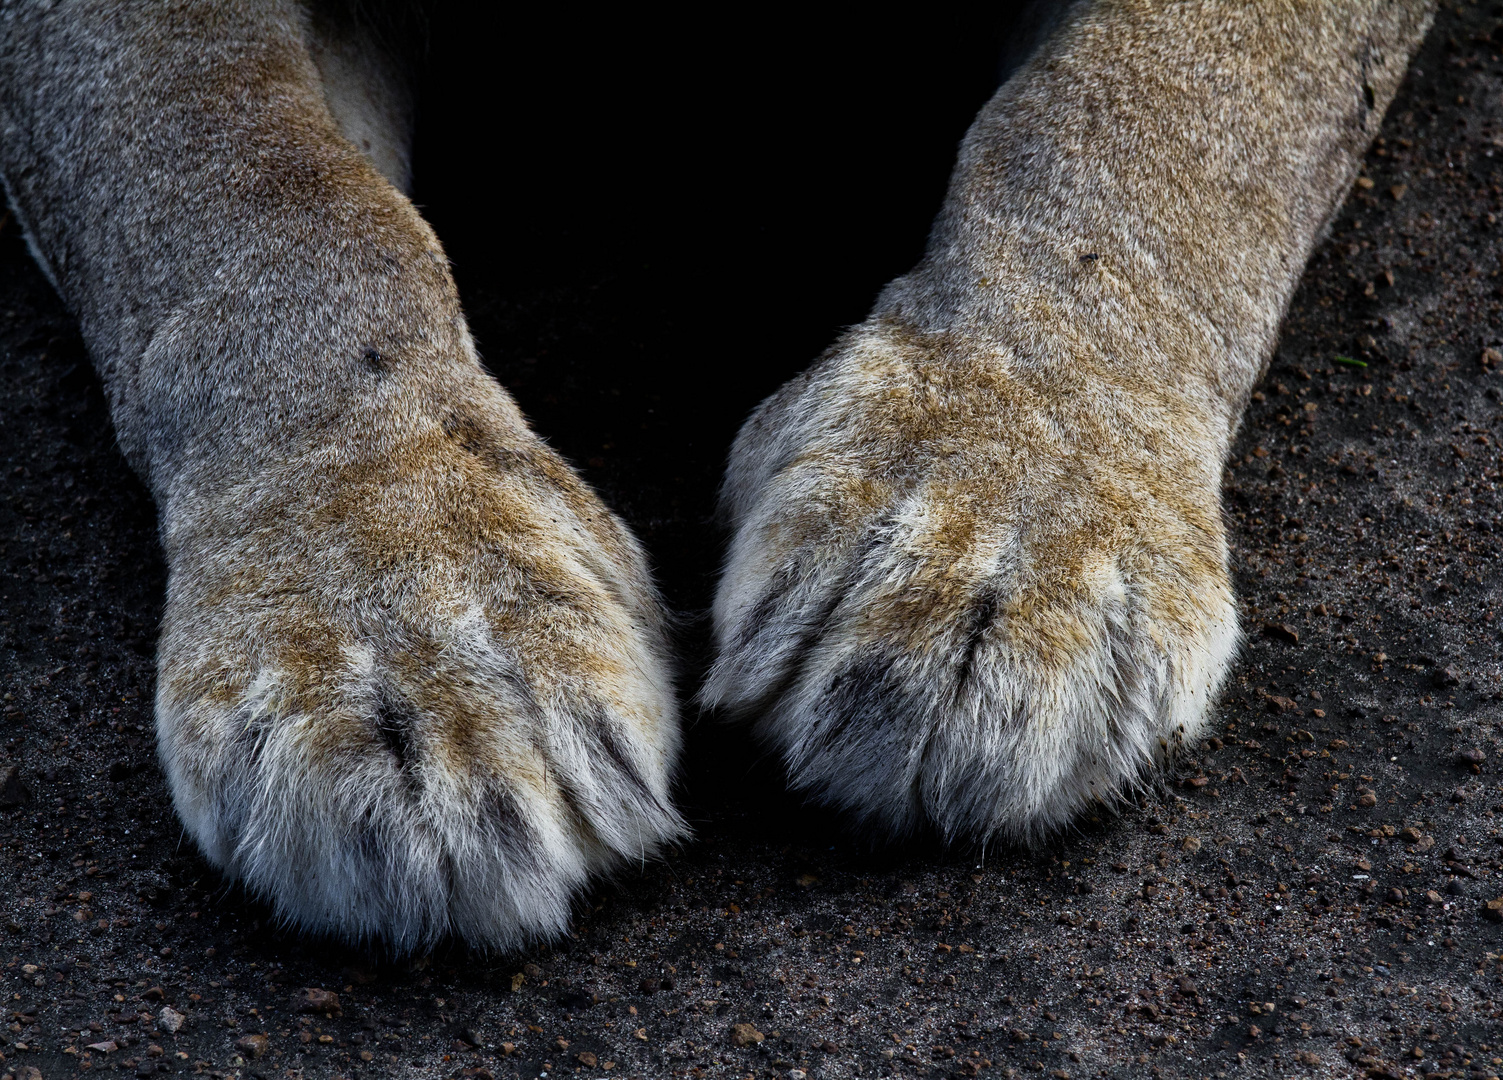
(252, 1046)
(315, 1000)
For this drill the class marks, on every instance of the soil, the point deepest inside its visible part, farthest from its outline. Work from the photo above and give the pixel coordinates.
(1307, 893)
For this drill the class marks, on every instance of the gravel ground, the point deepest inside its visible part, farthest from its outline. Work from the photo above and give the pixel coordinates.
(1308, 893)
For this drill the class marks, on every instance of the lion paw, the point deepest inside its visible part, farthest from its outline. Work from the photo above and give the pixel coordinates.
(963, 598)
(416, 693)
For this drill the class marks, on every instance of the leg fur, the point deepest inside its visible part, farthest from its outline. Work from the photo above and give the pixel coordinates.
(412, 675)
(367, 88)
(978, 575)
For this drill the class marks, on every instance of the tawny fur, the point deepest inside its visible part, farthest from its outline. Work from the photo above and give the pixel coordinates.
(978, 574)
(412, 676)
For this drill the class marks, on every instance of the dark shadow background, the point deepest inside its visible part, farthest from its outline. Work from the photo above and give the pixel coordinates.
(655, 223)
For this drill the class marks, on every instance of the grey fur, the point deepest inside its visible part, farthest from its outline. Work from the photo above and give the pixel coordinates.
(413, 677)
(1032, 423)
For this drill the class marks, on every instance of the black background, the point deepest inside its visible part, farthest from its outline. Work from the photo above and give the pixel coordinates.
(654, 223)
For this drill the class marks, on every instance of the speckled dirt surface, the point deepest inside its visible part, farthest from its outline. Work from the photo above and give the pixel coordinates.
(1307, 896)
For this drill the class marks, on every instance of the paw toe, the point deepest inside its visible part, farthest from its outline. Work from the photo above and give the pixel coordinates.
(944, 620)
(407, 817)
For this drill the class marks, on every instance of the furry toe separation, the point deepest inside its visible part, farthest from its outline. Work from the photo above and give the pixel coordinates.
(422, 695)
(967, 611)
(399, 823)
(981, 734)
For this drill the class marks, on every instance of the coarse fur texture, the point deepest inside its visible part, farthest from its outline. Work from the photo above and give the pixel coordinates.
(413, 678)
(978, 575)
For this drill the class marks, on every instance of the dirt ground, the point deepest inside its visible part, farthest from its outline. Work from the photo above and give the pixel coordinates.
(1307, 895)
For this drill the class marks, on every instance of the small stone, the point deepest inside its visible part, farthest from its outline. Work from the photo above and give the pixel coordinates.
(1281, 632)
(147, 1068)
(516, 982)
(1433, 897)
(1190, 843)
(745, 1035)
(1492, 911)
(170, 1020)
(156, 993)
(1276, 704)
(1491, 358)
(1368, 799)
(1474, 756)
(587, 1059)
(1397, 191)
(109, 1046)
(252, 1046)
(28, 1072)
(12, 791)
(1445, 676)
(1410, 835)
(649, 985)
(315, 1000)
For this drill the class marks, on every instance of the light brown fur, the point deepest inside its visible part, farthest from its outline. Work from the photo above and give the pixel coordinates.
(978, 580)
(413, 675)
